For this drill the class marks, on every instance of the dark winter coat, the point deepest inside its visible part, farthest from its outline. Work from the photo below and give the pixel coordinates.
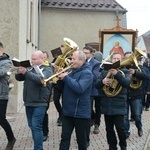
(34, 93)
(76, 93)
(114, 105)
(5, 64)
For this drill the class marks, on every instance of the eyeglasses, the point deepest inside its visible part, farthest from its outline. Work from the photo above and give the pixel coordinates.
(86, 53)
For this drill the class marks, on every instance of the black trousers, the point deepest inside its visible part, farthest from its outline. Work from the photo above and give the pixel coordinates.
(96, 112)
(68, 125)
(147, 101)
(46, 123)
(3, 121)
(116, 121)
(57, 96)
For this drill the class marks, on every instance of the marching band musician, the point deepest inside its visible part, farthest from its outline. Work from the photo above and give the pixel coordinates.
(146, 103)
(114, 107)
(95, 109)
(35, 96)
(76, 105)
(45, 121)
(135, 98)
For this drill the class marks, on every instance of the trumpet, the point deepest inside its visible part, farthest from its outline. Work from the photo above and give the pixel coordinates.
(54, 78)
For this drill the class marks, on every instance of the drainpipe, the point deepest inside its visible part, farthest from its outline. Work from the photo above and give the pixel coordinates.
(39, 20)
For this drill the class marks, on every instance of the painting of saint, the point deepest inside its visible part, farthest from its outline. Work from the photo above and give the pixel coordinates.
(117, 48)
(116, 43)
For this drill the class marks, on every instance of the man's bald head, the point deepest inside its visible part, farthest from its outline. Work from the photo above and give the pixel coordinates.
(37, 58)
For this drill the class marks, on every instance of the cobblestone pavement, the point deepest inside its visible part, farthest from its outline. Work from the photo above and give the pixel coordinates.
(98, 141)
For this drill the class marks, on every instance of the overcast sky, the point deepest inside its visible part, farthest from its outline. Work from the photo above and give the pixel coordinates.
(138, 15)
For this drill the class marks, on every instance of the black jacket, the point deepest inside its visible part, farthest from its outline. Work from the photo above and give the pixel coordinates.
(138, 93)
(114, 105)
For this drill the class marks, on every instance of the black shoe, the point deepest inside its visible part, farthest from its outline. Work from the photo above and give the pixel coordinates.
(140, 132)
(10, 144)
(123, 148)
(146, 109)
(96, 129)
(113, 147)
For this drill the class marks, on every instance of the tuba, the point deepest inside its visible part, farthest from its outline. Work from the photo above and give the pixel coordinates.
(67, 49)
(135, 82)
(114, 88)
(63, 61)
(131, 62)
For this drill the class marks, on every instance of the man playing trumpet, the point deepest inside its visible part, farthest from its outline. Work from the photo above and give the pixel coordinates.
(76, 105)
(139, 77)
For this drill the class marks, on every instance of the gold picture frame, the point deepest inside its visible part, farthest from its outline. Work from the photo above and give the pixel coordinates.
(125, 38)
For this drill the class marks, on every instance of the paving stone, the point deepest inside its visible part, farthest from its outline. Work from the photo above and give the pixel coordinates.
(98, 141)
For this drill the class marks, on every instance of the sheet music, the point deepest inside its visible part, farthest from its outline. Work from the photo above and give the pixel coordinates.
(38, 71)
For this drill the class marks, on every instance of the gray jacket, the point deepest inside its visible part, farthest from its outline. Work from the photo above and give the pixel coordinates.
(5, 63)
(34, 93)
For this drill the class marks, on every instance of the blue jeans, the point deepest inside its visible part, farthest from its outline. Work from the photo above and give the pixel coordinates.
(35, 116)
(136, 106)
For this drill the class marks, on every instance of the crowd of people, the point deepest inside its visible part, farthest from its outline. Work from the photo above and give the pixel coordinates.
(80, 97)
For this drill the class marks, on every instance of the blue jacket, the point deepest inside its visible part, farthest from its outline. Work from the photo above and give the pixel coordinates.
(114, 105)
(34, 93)
(5, 63)
(95, 66)
(76, 93)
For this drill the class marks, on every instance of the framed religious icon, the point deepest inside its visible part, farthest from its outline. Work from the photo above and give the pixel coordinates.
(117, 41)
